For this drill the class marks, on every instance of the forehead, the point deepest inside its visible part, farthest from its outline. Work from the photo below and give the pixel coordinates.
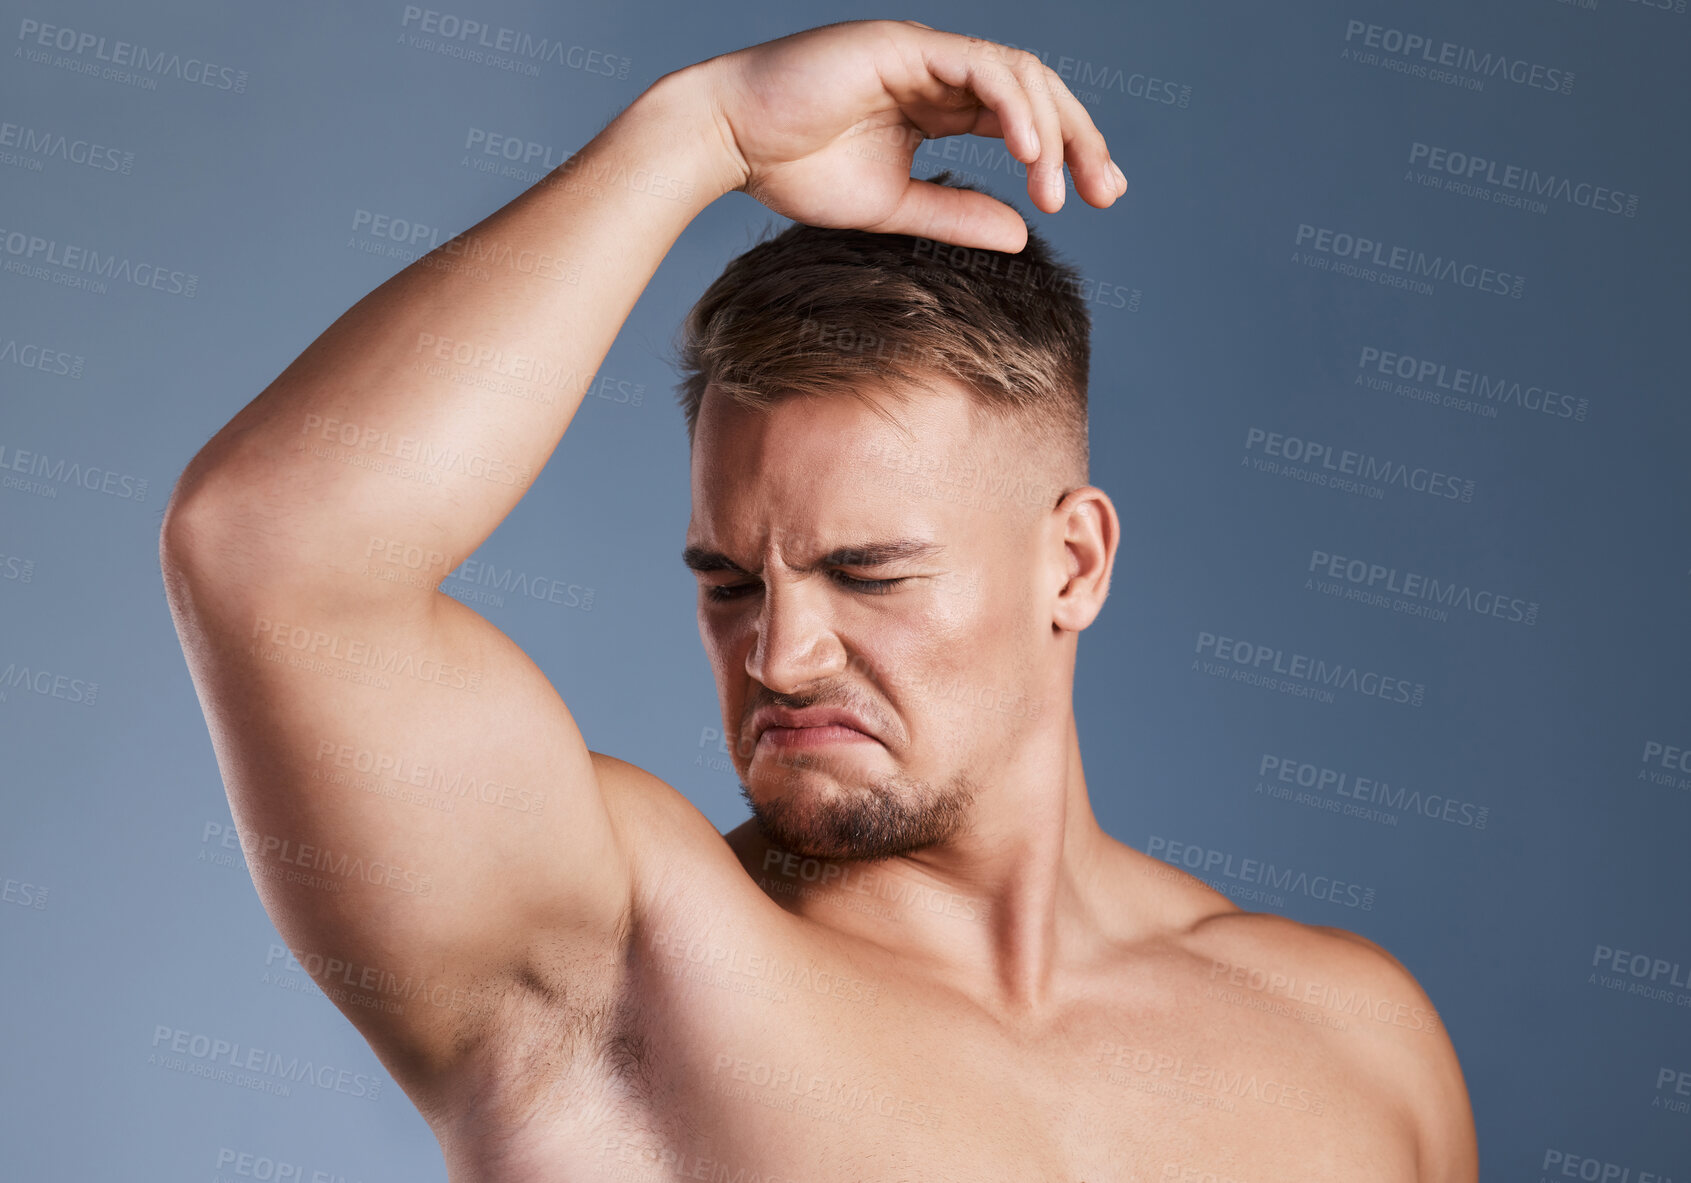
(832, 458)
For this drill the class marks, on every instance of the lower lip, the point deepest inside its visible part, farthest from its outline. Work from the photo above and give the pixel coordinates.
(811, 737)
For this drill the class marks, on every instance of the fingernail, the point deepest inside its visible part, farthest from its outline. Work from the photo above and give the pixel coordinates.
(1120, 176)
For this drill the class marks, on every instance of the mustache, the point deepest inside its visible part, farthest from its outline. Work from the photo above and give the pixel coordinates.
(835, 699)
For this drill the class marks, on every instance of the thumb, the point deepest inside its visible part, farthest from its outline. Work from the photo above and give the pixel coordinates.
(965, 217)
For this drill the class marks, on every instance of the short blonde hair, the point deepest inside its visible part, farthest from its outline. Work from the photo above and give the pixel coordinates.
(814, 310)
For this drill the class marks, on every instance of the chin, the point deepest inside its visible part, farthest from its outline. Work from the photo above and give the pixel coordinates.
(871, 819)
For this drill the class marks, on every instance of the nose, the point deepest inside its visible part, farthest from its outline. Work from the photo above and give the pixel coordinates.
(795, 644)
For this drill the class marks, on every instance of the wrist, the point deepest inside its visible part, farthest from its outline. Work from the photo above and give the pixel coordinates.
(685, 100)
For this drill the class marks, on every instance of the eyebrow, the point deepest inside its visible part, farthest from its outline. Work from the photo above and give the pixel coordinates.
(864, 554)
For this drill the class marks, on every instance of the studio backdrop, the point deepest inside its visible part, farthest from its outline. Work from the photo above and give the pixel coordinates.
(1388, 385)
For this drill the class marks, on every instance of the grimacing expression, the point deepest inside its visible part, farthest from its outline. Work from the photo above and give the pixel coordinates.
(845, 561)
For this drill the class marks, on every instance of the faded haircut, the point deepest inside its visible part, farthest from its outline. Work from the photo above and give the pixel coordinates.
(812, 310)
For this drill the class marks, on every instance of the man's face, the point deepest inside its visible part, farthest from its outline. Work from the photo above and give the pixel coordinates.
(847, 565)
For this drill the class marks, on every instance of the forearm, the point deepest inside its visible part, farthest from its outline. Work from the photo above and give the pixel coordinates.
(424, 412)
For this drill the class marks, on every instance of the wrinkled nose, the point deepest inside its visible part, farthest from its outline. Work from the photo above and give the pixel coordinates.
(795, 644)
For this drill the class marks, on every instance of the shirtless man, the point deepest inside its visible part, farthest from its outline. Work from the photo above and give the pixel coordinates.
(928, 963)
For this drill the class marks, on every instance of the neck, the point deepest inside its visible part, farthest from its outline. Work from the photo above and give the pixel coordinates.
(995, 912)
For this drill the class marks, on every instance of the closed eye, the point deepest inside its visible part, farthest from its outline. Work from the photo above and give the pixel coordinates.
(873, 587)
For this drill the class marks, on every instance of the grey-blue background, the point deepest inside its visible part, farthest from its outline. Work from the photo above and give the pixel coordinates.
(1237, 124)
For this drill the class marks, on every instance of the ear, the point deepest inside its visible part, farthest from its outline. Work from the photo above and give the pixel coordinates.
(1086, 527)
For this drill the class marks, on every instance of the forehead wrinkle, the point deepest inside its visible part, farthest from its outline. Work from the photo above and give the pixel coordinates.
(822, 460)
(862, 554)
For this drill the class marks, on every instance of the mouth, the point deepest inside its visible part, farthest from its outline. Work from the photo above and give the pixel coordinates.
(811, 727)
(818, 736)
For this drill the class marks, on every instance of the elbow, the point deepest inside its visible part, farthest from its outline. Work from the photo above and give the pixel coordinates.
(210, 531)
(189, 541)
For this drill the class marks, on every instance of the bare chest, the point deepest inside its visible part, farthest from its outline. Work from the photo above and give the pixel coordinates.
(734, 1058)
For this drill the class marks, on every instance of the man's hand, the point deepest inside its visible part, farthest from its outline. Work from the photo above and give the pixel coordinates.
(821, 126)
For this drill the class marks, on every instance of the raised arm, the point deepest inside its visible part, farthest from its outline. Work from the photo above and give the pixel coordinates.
(422, 817)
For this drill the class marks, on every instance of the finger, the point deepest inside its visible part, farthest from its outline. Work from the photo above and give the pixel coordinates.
(986, 124)
(965, 63)
(1045, 175)
(974, 64)
(1088, 156)
(961, 216)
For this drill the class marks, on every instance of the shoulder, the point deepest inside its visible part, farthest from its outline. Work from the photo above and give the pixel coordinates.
(1376, 1017)
(645, 807)
(676, 853)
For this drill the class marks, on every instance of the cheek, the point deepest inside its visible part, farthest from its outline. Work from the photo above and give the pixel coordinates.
(935, 666)
(976, 659)
(723, 646)
(725, 627)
